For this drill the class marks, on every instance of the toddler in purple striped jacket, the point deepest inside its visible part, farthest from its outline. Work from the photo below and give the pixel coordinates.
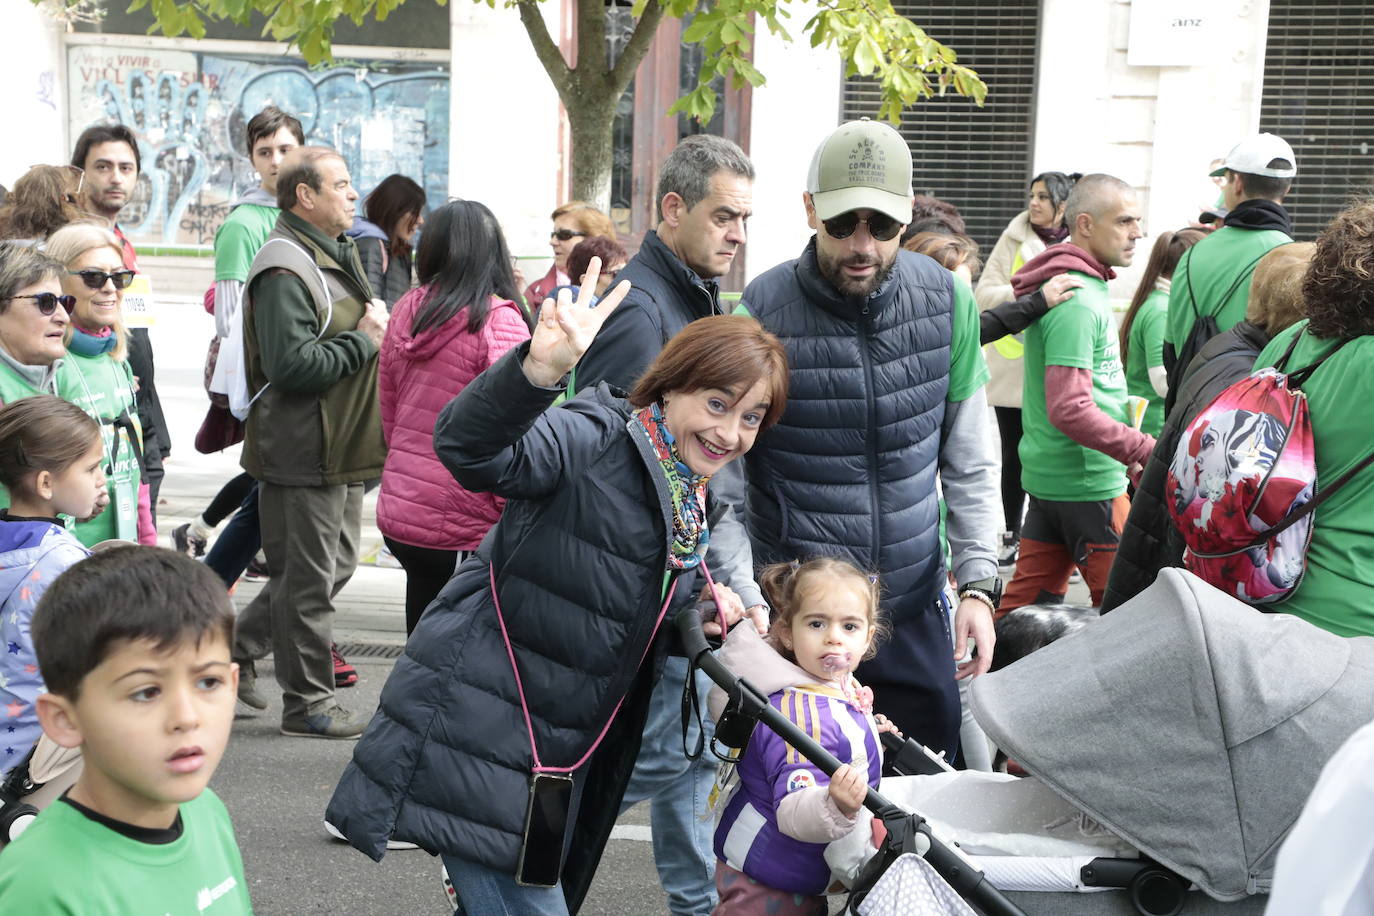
(770, 842)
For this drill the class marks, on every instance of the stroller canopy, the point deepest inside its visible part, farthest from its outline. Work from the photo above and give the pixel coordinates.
(1188, 723)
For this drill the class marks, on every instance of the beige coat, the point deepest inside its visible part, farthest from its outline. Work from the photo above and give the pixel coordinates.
(1018, 244)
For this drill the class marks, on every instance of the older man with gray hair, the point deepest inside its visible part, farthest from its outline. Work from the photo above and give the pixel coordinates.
(705, 197)
(311, 332)
(1077, 446)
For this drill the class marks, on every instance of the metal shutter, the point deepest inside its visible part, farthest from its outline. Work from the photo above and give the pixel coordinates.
(1319, 96)
(976, 158)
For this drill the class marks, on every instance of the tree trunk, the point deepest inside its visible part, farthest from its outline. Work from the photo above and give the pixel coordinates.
(591, 124)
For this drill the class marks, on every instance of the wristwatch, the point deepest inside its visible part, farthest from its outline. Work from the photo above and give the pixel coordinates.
(988, 591)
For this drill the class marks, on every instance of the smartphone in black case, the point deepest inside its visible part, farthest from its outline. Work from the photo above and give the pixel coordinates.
(546, 826)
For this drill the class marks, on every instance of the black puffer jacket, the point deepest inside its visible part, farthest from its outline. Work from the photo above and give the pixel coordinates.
(1149, 542)
(665, 296)
(579, 558)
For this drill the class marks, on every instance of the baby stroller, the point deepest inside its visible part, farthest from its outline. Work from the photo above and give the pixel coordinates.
(15, 813)
(1187, 724)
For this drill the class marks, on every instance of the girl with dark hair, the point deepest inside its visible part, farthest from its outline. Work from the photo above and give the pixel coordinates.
(52, 460)
(1030, 231)
(442, 334)
(1142, 328)
(395, 212)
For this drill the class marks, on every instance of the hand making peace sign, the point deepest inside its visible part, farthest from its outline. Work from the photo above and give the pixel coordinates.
(566, 328)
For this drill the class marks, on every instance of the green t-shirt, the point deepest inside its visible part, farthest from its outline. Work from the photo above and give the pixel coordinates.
(1145, 352)
(240, 237)
(1337, 591)
(68, 864)
(968, 370)
(1080, 334)
(104, 388)
(1223, 261)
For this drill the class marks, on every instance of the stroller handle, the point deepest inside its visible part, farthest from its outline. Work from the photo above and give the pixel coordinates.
(952, 866)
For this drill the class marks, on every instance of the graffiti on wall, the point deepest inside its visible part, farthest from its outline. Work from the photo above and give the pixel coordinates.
(189, 112)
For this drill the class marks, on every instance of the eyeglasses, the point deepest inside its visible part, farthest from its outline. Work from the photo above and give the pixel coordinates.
(48, 302)
(96, 279)
(881, 226)
(564, 235)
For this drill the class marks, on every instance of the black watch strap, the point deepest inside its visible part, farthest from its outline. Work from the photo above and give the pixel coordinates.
(991, 587)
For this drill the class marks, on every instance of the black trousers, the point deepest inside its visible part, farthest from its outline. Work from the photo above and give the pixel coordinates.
(1013, 496)
(912, 676)
(427, 572)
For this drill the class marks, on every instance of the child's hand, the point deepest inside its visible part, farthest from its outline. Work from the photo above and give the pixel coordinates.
(885, 725)
(848, 790)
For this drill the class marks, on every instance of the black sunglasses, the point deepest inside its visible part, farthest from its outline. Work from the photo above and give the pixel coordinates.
(564, 235)
(881, 226)
(96, 279)
(48, 302)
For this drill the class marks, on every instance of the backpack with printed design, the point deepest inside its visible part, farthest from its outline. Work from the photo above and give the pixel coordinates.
(1242, 486)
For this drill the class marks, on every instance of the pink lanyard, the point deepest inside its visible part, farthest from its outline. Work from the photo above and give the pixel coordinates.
(520, 688)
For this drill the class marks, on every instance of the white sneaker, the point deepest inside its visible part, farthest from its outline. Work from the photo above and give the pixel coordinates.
(387, 560)
(390, 844)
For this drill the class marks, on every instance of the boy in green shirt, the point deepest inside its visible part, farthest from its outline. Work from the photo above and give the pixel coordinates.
(133, 645)
(1076, 446)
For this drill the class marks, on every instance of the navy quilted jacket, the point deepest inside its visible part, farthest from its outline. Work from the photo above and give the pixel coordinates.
(851, 466)
(579, 557)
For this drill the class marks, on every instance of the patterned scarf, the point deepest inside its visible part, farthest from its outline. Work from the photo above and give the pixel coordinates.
(688, 490)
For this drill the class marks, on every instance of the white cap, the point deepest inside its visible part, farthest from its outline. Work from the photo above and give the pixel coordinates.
(862, 165)
(1252, 156)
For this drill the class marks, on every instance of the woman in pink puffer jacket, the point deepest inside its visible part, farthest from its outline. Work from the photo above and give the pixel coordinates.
(442, 335)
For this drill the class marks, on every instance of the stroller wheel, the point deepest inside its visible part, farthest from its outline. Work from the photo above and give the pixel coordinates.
(1157, 892)
(15, 820)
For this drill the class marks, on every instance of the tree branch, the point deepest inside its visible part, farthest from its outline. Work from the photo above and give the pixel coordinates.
(544, 46)
(636, 47)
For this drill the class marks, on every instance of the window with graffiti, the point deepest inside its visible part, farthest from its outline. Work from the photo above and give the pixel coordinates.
(189, 111)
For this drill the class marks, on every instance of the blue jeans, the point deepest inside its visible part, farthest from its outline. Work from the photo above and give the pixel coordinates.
(677, 789)
(484, 891)
(240, 541)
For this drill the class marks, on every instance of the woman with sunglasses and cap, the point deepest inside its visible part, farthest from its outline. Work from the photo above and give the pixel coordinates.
(572, 222)
(97, 376)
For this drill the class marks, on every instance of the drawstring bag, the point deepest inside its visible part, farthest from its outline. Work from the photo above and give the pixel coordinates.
(1242, 487)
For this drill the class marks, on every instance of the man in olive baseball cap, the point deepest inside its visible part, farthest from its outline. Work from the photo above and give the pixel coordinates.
(886, 392)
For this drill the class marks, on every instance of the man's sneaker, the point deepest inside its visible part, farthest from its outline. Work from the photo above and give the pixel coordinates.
(334, 722)
(188, 542)
(1011, 546)
(256, 571)
(345, 675)
(337, 834)
(248, 686)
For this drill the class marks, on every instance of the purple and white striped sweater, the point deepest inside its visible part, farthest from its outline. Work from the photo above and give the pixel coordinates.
(747, 837)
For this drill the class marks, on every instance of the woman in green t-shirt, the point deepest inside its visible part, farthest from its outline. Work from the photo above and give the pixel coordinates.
(1142, 330)
(97, 377)
(1337, 590)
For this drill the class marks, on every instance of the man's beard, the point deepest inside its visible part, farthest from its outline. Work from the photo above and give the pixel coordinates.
(831, 269)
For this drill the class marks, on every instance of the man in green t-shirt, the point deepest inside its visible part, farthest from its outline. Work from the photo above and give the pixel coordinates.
(150, 709)
(1077, 446)
(1212, 279)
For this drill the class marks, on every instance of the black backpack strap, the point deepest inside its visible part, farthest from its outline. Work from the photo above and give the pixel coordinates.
(1298, 377)
(1282, 363)
(1240, 278)
(1293, 518)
